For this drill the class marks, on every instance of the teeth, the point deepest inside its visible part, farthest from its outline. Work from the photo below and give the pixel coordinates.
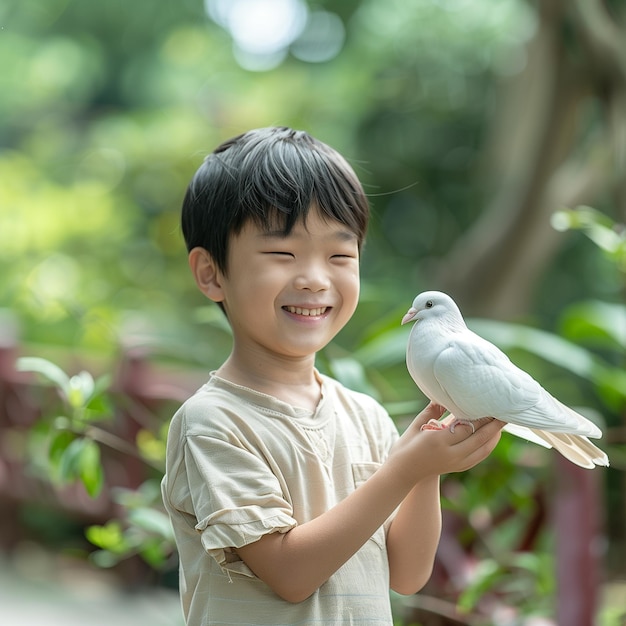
(307, 312)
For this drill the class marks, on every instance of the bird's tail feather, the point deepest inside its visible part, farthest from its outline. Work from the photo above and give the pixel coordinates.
(576, 448)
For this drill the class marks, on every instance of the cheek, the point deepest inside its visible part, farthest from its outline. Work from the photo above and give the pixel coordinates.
(258, 286)
(350, 287)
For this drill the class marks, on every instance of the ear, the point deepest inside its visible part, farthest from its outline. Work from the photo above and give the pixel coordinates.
(208, 276)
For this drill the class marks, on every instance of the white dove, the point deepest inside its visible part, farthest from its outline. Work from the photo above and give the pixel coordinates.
(472, 378)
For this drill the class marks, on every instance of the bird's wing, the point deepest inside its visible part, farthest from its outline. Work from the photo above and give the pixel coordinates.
(482, 381)
(528, 434)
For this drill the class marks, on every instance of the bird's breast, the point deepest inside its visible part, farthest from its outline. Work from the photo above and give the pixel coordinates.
(424, 346)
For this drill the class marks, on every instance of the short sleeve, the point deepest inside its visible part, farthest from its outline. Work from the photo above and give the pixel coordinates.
(236, 497)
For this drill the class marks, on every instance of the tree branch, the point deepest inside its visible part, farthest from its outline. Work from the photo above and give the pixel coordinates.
(492, 263)
(601, 36)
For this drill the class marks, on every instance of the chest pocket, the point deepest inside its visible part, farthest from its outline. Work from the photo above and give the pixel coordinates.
(360, 473)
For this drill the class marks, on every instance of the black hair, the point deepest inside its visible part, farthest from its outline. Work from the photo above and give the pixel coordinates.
(271, 176)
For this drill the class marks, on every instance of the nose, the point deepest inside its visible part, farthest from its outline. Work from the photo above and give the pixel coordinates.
(312, 276)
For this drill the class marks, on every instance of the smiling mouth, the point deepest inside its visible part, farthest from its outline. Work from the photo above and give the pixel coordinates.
(306, 312)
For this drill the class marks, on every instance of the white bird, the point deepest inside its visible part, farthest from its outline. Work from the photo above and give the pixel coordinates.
(473, 379)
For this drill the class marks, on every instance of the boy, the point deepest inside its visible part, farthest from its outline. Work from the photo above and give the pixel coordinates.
(292, 498)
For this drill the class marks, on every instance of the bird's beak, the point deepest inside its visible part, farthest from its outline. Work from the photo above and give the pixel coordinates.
(409, 315)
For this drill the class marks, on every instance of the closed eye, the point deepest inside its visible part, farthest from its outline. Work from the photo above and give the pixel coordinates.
(343, 256)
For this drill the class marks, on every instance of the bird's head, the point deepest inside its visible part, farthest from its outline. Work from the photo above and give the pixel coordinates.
(432, 304)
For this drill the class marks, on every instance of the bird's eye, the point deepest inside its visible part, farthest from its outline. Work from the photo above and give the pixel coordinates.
(429, 304)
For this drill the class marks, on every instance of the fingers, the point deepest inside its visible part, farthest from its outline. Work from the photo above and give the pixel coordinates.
(467, 448)
(478, 446)
(484, 421)
(444, 451)
(431, 412)
(490, 426)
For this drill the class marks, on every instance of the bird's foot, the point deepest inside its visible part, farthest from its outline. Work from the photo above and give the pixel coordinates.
(457, 422)
(434, 425)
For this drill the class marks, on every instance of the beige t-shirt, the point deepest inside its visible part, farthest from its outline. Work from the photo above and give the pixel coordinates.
(241, 464)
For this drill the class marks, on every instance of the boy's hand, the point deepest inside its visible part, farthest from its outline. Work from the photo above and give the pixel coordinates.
(422, 453)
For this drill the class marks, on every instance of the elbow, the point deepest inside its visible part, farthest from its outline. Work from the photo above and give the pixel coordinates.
(290, 585)
(408, 589)
(292, 589)
(408, 586)
(294, 595)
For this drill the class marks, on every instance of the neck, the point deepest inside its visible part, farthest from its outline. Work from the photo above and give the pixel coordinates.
(294, 381)
(455, 323)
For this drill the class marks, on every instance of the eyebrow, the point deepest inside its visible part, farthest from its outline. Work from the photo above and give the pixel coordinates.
(340, 235)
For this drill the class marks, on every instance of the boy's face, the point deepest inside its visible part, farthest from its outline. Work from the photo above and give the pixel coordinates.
(288, 296)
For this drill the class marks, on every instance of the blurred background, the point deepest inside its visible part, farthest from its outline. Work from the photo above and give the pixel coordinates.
(491, 140)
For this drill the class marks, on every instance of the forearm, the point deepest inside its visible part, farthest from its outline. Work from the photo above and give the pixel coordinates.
(296, 563)
(413, 537)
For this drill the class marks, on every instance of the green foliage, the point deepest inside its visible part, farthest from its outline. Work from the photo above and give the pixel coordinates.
(66, 440)
(598, 324)
(525, 579)
(83, 395)
(66, 448)
(601, 229)
(145, 530)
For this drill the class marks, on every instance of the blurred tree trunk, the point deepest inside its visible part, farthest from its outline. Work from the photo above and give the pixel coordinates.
(547, 152)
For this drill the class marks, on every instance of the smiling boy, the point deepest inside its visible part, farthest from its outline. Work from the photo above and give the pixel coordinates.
(292, 498)
(285, 296)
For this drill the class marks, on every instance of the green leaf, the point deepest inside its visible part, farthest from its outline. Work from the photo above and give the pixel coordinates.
(596, 321)
(388, 348)
(102, 384)
(149, 446)
(98, 406)
(485, 575)
(351, 373)
(149, 492)
(59, 442)
(154, 552)
(128, 498)
(90, 468)
(612, 388)
(69, 462)
(80, 389)
(48, 370)
(104, 558)
(81, 460)
(152, 521)
(108, 537)
(600, 228)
